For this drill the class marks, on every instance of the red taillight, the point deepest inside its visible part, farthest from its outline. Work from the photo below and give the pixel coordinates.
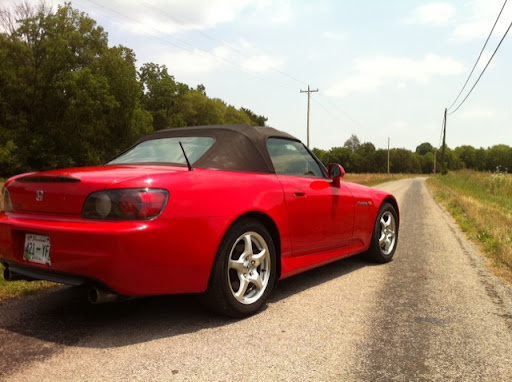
(125, 204)
(152, 203)
(129, 204)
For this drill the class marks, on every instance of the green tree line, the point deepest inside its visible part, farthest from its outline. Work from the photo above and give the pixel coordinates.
(359, 157)
(68, 99)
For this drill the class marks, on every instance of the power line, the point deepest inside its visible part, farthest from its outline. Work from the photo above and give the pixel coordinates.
(479, 56)
(193, 48)
(212, 38)
(345, 114)
(483, 71)
(335, 115)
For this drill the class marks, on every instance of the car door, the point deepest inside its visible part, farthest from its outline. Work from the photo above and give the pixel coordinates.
(320, 214)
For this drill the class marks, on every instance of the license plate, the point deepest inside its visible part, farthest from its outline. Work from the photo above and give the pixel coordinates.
(37, 249)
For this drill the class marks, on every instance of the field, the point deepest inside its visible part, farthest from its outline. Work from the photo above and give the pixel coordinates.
(374, 179)
(481, 203)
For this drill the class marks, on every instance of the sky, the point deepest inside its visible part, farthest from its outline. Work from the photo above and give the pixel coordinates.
(383, 69)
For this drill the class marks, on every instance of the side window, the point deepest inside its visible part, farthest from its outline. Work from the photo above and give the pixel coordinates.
(292, 158)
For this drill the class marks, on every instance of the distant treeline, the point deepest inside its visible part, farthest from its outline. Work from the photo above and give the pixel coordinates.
(68, 99)
(359, 157)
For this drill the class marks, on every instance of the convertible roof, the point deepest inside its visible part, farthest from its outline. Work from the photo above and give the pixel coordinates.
(236, 147)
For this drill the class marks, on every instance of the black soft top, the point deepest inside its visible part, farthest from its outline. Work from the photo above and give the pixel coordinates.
(236, 147)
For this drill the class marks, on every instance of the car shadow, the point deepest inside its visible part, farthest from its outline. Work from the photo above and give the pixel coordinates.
(63, 316)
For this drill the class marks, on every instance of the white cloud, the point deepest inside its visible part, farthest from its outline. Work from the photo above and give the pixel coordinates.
(371, 73)
(483, 113)
(274, 11)
(177, 16)
(195, 62)
(437, 13)
(200, 62)
(260, 64)
(150, 17)
(472, 30)
(480, 18)
(334, 36)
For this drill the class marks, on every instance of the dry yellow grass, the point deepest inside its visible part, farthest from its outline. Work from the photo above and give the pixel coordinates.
(480, 203)
(374, 179)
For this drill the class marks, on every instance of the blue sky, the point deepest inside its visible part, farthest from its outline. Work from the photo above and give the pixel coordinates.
(383, 68)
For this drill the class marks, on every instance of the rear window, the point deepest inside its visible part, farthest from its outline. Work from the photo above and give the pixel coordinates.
(166, 150)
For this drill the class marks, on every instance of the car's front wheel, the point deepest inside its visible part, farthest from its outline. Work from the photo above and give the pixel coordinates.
(244, 271)
(385, 235)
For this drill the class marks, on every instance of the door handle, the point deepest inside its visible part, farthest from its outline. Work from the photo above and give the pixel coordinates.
(300, 193)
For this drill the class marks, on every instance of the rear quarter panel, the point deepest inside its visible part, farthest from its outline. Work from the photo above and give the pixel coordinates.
(221, 197)
(367, 204)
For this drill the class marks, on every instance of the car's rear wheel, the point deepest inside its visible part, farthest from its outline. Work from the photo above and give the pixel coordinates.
(385, 235)
(244, 271)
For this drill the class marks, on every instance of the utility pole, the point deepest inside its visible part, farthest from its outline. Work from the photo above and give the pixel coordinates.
(309, 93)
(435, 161)
(388, 155)
(443, 164)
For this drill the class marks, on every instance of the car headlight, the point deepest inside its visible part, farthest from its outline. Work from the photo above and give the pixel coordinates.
(7, 200)
(125, 204)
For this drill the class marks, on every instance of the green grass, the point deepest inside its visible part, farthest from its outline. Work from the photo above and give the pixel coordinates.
(481, 203)
(12, 289)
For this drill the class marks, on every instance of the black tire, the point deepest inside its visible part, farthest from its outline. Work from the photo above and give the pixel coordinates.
(244, 271)
(385, 235)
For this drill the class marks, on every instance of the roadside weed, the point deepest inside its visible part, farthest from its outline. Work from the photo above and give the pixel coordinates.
(481, 203)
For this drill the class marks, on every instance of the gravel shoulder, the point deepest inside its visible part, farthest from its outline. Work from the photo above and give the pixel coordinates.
(433, 313)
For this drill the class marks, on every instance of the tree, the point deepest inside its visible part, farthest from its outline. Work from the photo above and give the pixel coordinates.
(67, 98)
(364, 157)
(424, 148)
(352, 143)
(467, 154)
(341, 155)
(404, 161)
(426, 162)
(499, 157)
(159, 95)
(257, 120)
(321, 154)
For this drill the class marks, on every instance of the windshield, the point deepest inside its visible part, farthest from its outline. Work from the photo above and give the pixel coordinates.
(166, 150)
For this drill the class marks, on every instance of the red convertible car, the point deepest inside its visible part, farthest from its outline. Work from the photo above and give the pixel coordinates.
(224, 211)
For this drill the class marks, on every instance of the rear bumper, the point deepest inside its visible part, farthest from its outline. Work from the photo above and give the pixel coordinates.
(131, 258)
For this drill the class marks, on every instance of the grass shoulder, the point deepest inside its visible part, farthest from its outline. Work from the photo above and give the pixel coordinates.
(481, 203)
(13, 289)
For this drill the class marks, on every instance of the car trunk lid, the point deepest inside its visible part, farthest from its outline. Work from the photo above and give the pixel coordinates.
(65, 191)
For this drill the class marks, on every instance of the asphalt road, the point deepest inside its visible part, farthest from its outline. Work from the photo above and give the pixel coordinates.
(434, 313)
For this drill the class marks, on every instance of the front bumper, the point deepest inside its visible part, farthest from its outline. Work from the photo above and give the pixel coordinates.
(131, 258)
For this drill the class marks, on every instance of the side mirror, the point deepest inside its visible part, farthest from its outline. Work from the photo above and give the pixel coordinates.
(336, 172)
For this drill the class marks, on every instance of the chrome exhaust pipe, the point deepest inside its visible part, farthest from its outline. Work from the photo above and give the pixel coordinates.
(100, 296)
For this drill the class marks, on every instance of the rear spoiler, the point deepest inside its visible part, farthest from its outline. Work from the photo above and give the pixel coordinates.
(48, 179)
